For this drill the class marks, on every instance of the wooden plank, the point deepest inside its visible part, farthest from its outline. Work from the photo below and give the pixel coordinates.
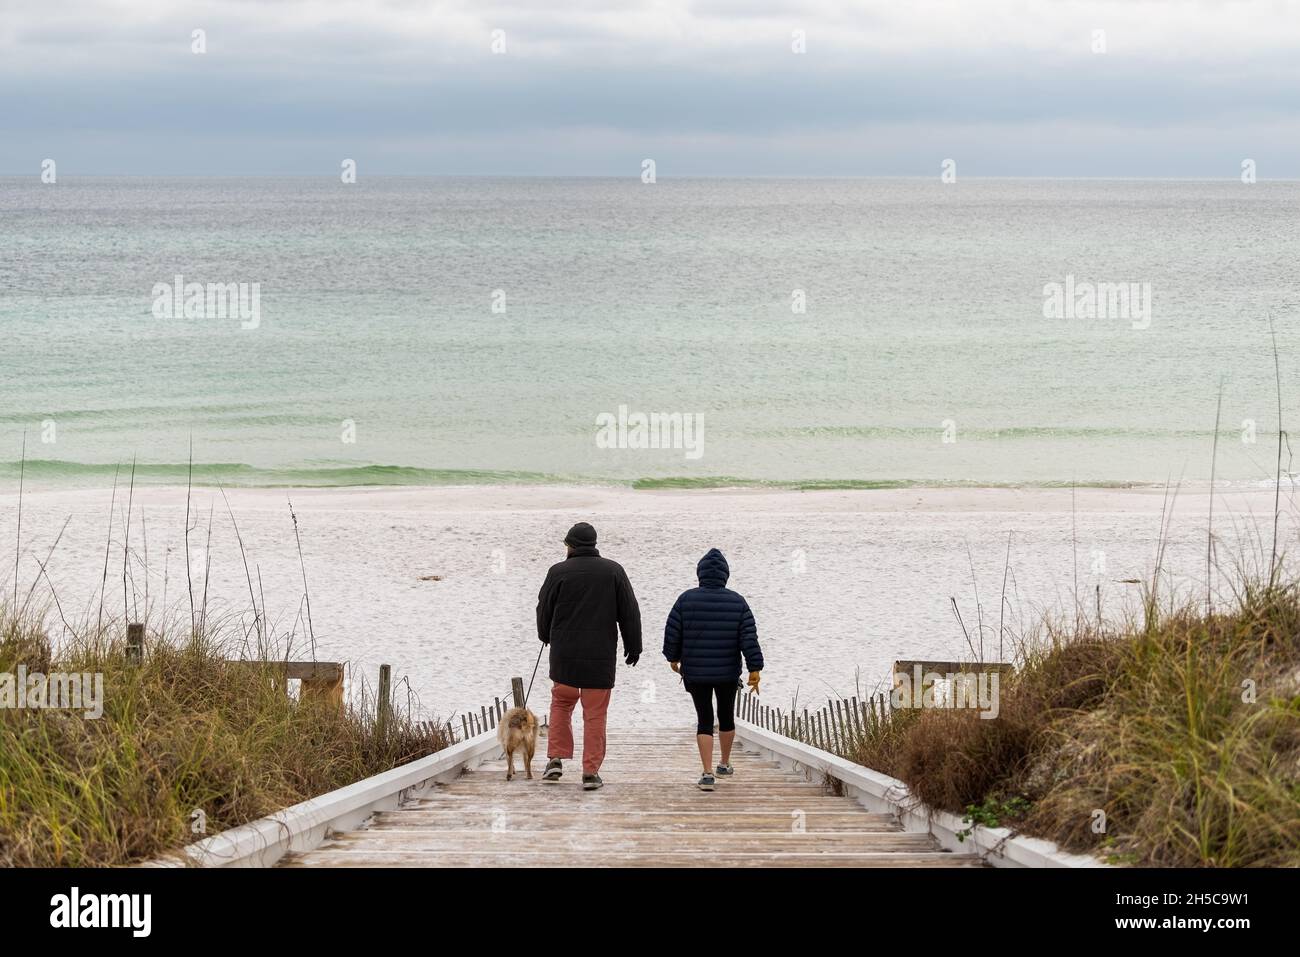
(326, 689)
(631, 841)
(134, 642)
(299, 670)
(384, 702)
(489, 785)
(313, 670)
(523, 858)
(907, 666)
(415, 818)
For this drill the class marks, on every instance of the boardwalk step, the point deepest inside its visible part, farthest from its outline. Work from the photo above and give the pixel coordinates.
(668, 859)
(681, 820)
(648, 814)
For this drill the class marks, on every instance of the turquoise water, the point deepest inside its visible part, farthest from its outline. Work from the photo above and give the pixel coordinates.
(378, 357)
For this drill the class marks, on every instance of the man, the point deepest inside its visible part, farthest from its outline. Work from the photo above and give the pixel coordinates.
(584, 603)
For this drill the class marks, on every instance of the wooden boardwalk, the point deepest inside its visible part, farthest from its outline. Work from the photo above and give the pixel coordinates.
(650, 813)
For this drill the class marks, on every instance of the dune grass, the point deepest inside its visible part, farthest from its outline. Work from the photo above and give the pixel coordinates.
(1183, 730)
(183, 731)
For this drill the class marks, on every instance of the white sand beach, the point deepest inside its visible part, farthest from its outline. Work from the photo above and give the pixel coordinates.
(841, 582)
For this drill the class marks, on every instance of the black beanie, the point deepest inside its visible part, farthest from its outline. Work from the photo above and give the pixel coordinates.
(581, 535)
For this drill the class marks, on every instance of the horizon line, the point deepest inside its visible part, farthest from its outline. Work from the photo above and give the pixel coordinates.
(636, 178)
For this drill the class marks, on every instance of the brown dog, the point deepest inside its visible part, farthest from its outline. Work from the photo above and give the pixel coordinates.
(518, 730)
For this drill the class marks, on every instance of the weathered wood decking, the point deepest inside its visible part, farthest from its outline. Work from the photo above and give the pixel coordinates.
(650, 813)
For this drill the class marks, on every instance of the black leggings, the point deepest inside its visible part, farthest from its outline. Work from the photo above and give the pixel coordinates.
(703, 697)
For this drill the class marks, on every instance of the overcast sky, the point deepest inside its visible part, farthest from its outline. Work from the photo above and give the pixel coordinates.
(1183, 89)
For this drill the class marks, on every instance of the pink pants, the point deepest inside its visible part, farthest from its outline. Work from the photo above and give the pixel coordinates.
(595, 703)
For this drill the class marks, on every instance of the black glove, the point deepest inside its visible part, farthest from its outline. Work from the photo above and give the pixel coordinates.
(546, 641)
(633, 659)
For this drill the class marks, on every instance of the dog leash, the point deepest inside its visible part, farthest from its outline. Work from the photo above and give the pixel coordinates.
(530, 680)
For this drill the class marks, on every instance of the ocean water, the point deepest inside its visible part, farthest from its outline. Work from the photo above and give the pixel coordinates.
(922, 355)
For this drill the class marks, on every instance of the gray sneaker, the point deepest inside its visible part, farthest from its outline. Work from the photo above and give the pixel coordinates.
(592, 782)
(725, 770)
(706, 781)
(553, 770)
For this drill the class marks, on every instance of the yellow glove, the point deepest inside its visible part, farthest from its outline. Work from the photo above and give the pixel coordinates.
(676, 666)
(753, 681)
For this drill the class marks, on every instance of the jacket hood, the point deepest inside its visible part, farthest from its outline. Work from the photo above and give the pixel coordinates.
(713, 569)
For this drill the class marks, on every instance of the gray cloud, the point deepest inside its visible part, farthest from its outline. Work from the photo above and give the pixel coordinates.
(712, 88)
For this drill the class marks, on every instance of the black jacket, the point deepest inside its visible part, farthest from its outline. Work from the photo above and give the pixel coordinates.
(582, 600)
(710, 627)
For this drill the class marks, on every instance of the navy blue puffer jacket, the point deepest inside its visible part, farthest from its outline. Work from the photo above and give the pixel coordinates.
(710, 627)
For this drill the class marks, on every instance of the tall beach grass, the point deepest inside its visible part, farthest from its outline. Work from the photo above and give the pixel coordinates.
(1169, 740)
(189, 743)
(198, 733)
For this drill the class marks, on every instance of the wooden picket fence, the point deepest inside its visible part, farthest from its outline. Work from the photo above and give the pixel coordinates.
(484, 720)
(840, 727)
(473, 722)
(488, 716)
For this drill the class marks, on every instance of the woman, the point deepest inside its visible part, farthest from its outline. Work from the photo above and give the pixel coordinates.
(708, 630)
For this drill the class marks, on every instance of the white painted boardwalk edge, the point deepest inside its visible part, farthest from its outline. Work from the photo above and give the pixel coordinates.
(307, 825)
(881, 793)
